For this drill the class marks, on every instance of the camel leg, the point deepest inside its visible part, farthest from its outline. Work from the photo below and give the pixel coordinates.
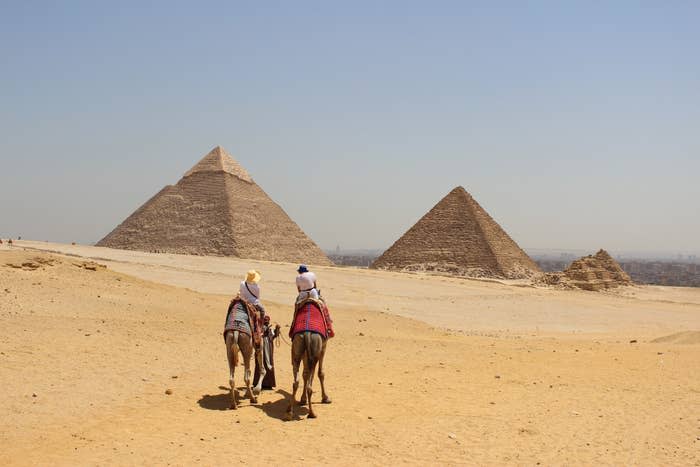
(322, 376)
(261, 366)
(314, 344)
(297, 354)
(308, 378)
(246, 346)
(232, 355)
(304, 372)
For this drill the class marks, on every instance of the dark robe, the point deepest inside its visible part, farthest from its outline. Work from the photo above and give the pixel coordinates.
(268, 340)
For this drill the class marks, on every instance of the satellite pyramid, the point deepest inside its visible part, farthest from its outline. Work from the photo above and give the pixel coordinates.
(215, 209)
(597, 272)
(458, 237)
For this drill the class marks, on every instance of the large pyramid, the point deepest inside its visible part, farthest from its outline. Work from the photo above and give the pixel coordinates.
(458, 237)
(215, 209)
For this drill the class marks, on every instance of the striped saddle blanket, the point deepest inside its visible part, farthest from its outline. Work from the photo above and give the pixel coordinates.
(243, 317)
(312, 315)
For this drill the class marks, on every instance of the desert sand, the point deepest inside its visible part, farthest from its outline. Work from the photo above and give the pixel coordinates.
(423, 369)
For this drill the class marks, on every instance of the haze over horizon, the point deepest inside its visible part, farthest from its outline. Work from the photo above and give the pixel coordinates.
(573, 125)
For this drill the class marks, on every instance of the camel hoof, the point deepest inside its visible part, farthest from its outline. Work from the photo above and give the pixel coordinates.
(289, 416)
(311, 415)
(232, 407)
(326, 400)
(253, 400)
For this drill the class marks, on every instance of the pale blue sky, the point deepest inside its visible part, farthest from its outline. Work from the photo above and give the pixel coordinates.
(575, 124)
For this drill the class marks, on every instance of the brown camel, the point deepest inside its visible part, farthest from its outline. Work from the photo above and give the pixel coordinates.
(310, 347)
(235, 341)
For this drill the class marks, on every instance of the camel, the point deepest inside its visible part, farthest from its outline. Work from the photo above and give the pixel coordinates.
(235, 341)
(311, 347)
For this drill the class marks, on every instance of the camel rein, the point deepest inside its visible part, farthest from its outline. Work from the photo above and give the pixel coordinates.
(285, 340)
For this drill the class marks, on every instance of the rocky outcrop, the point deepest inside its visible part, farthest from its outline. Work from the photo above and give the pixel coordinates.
(216, 209)
(596, 272)
(458, 237)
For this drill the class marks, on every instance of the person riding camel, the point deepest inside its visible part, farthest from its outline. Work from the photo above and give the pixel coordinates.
(243, 333)
(238, 316)
(308, 291)
(249, 291)
(306, 284)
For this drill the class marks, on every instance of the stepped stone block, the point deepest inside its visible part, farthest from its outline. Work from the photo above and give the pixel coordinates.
(596, 272)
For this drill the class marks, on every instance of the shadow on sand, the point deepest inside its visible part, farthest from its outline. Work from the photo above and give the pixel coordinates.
(278, 409)
(273, 409)
(220, 401)
(215, 402)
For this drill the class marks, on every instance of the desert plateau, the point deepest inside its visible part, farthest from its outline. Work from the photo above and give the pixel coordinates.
(111, 357)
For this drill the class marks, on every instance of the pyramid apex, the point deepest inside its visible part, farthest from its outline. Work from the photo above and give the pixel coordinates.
(220, 151)
(603, 254)
(218, 160)
(458, 191)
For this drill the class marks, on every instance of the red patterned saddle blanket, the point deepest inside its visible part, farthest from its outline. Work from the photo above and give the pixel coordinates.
(312, 315)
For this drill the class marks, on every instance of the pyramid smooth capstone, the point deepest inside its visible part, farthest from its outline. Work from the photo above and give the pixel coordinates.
(458, 237)
(216, 209)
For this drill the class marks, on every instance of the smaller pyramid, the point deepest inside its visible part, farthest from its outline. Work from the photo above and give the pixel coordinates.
(457, 236)
(596, 272)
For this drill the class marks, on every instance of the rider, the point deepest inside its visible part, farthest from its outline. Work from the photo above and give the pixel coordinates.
(306, 284)
(308, 288)
(249, 291)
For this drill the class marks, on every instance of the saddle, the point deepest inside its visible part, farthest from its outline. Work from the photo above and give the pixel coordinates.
(306, 320)
(254, 320)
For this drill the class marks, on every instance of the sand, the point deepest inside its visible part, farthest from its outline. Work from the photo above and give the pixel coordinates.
(503, 374)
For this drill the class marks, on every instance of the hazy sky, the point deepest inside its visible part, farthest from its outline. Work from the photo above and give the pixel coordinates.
(574, 124)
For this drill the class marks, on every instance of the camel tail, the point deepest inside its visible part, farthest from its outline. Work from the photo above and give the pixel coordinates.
(311, 356)
(234, 348)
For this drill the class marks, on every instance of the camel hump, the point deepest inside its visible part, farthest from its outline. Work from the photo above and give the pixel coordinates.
(320, 303)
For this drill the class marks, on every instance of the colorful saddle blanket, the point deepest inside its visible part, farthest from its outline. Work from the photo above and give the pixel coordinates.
(243, 317)
(312, 315)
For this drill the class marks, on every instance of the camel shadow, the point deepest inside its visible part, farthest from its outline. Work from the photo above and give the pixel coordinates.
(215, 401)
(220, 401)
(273, 409)
(278, 409)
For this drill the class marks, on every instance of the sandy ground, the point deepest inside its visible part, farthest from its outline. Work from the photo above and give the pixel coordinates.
(526, 375)
(472, 306)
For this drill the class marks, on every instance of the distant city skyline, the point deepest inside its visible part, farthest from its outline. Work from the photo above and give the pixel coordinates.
(554, 253)
(573, 124)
